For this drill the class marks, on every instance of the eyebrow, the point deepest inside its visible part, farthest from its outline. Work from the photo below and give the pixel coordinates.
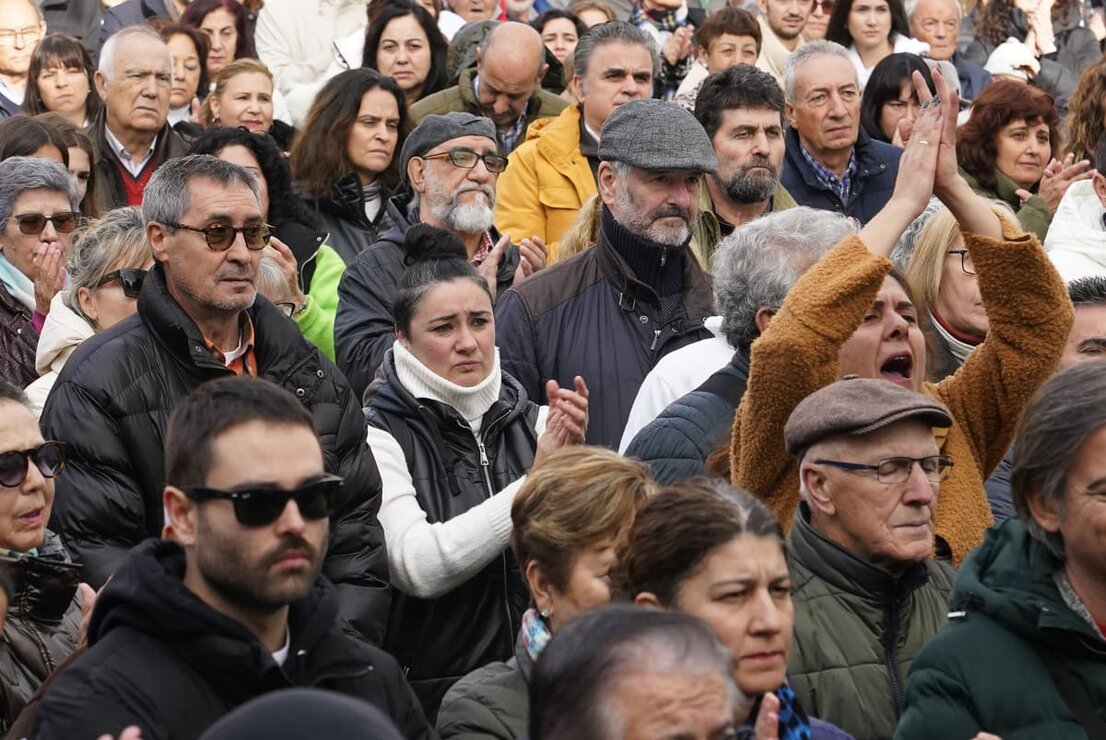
(454, 315)
(1099, 342)
(227, 217)
(244, 485)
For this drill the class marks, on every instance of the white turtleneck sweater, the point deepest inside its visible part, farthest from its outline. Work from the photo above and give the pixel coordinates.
(428, 560)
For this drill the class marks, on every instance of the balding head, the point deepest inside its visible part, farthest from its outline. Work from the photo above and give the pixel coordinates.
(510, 64)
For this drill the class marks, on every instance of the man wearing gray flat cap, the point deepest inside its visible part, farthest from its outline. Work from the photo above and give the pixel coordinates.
(865, 591)
(613, 311)
(448, 167)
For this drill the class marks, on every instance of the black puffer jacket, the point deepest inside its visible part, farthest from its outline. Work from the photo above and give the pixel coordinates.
(438, 641)
(164, 660)
(43, 621)
(364, 328)
(111, 405)
(342, 215)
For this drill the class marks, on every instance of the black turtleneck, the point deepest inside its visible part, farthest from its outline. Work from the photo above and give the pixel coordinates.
(660, 266)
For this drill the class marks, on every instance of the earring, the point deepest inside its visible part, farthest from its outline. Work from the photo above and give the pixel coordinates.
(545, 613)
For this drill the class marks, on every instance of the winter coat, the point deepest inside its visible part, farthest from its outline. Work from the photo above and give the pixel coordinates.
(18, 341)
(677, 443)
(591, 316)
(111, 405)
(110, 191)
(76, 18)
(1076, 240)
(63, 331)
(1032, 214)
(973, 77)
(342, 216)
(462, 98)
(320, 269)
(877, 166)
(44, 618)
(986, 671)
(452, 472)
(129, 13)
(364, 328)
(161, 658)
(545, 184)
(797, 354)
(491, 703)
(707, 233)
(857, 628)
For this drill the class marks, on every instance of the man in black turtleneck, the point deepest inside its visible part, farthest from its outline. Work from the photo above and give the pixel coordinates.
(610, 313)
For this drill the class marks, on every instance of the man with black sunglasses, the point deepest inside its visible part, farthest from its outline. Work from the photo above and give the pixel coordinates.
(199, 318)
(233, 606)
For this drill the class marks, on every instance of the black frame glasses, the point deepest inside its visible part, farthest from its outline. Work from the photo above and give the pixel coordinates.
(262, 505)
(288, 308)
(220, 237)
(48, 457)
(459, 156)
(131, 278)
(33, 224)
(966, 265)
(898, 469)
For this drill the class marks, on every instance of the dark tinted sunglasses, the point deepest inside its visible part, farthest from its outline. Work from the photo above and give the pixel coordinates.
(256, 507)
(220, 237)
(131, 278)
(35, 223)
(48, 457)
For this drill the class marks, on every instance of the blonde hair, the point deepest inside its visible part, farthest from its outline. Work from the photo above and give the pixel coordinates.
(229, 72)
(583, 232)
(937, 237)
(577, 498)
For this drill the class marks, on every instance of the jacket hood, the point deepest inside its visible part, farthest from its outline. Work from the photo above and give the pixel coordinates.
(63, 331)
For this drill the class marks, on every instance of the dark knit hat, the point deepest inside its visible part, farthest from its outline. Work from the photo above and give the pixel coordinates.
(653, 135)
(436, 129)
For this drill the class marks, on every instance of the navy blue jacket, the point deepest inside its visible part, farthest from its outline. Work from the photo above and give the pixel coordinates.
(973, 78)
(872, 185)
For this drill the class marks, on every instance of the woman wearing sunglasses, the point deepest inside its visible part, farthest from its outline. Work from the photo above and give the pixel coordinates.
(45, 613)
(38, 213)
(107, 263)
(453, 437)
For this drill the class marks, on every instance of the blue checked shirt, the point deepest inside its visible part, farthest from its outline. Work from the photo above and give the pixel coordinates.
(841, 187)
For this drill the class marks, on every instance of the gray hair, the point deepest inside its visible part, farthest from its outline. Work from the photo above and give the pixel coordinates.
(904, 247)
(804, 54)
(270, 280)
(106, 66)
(166, 198)
(611, 32)
(30, 173)
(117, 238)
(1062, 415)
(756, 265)
(911, 7)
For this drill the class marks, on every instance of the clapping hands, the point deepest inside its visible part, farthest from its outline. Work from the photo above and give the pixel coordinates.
(568, 417)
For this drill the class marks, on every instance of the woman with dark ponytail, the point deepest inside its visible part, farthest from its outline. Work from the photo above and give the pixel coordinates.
(453, 437)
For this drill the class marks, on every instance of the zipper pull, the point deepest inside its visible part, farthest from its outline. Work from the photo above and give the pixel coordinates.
(664, 256)
(656, 338)
(483, 455)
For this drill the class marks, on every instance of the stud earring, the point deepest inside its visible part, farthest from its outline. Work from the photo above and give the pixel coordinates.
(545, 613)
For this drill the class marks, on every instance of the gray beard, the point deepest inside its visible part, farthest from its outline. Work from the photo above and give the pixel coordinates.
(471, 218)
(742, 188)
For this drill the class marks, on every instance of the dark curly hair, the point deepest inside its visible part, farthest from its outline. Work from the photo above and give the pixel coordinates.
(1086, 112)
(1000, 19)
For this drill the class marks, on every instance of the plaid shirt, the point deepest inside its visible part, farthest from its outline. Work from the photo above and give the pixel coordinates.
(841, 187)
(486, 243)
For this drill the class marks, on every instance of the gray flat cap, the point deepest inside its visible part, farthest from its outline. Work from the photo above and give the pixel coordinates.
(435, 129)
(857, 406)
(653, 135)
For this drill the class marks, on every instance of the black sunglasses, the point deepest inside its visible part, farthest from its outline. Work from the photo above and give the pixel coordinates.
(220, 237)
(131, 278)
(35, 223)
(256, 507)
(48, 457)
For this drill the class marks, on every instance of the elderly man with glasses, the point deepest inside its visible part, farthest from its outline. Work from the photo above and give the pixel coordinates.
(21, 28)
(199, 318)
(867, 595)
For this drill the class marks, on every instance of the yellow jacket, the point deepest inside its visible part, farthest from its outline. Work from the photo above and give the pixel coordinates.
(546, 182)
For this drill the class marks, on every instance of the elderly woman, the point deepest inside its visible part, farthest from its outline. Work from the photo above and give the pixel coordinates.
(43, 621)
(38, 212)
(453, 436)
(569, 519)
(190, 85)
(107, 265)
(1024, 653)
(849, 314)
(1008, 151)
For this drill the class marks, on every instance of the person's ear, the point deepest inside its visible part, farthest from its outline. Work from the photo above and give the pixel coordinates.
(101, 82)
(541, 72)
(416, 174)
(789, 109)
(647, 599)
(1098, 182)
(541, 590)
(578, 90)
(1049, 515)
(155, 235)
(817, 490)
(88, 306)
(764, 315)
(606, 182)
(403, 339)
(213, 103)
(479, 59)
(180, 514)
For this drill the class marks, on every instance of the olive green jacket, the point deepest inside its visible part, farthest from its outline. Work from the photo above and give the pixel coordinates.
(857, 629)
(708, 232)
(1033, 214)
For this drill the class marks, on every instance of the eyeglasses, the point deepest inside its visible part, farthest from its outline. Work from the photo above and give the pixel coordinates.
(898, 469)
(467, 158)
(286, 307)
(257, 507)
(35, 223)
(48, 457)
(825, 5)
(130, 277)
(220, 237)
(965, 260)
(8, 37)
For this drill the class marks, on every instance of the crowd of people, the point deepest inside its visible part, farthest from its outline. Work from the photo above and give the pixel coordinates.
(533, 369)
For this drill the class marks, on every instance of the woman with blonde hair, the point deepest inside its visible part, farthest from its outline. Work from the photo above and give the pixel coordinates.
(244, 96)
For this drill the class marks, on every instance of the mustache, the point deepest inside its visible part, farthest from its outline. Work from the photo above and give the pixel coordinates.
(487, 190)
(757, 161)
(289, 543)
(669, 212)
(235, 272)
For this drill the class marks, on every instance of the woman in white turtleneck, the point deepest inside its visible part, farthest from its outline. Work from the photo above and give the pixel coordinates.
(453, 437)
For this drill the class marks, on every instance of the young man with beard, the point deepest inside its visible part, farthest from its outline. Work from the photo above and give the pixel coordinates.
(449, 167)
(233, 606)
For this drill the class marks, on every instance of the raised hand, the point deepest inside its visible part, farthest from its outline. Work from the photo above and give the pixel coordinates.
(49, 274)
(947, 103)
(489, 268)
(533, 255)
(1057, 178)
(567, 423)
(767, 726)
(279, 252)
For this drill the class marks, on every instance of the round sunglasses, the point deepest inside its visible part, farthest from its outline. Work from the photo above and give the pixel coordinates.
(220, 237)
(131, 278)
(262, 505)
(48, 457)
(33, 224)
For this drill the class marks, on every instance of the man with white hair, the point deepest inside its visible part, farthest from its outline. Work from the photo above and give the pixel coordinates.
(132, 134)
(21, 28)
(937, 22)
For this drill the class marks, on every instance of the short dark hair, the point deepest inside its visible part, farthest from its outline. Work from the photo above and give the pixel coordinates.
(575, 672)
(886, 84)
(1088, 291)
(60, 50)
(214, 407)
(554, 14)
(11, 392)
(22, 136)
(727, 20)
(433, 256)
(197, 10)
(439, 47)
(741, 86)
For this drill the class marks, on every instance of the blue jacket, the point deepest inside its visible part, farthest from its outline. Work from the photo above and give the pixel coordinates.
(677, 443)
(973, 78)
(872, 185)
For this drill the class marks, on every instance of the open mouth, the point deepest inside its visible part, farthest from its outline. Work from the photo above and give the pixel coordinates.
(899, 368)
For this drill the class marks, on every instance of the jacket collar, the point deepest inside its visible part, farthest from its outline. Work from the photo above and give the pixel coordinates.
(45, 584)
(867, 162)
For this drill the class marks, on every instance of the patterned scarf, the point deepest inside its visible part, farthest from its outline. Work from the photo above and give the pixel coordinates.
(665, 20)
(535, 633)
(793, 722)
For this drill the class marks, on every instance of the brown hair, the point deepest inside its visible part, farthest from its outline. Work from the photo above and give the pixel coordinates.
(75, 138)
(1083, 126)
(581, 5)
(229, 72)
(727, 20)
(577, 498)
(1002, 102)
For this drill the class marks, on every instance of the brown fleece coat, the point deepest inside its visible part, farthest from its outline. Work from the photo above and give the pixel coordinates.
(1030, 317)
